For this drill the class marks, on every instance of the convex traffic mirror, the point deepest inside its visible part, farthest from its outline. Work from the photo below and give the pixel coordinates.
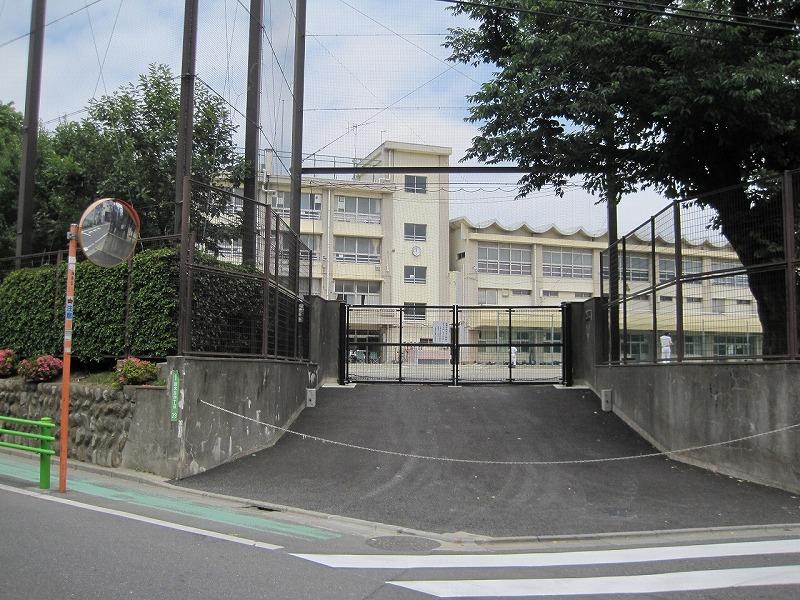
(109, 230)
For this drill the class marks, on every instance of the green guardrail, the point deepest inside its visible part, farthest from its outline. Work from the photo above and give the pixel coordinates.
(45, 438)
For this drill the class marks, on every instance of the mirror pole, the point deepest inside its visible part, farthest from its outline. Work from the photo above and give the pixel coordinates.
(72, 236)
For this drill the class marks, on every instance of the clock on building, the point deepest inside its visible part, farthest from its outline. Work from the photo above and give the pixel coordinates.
(416, 250)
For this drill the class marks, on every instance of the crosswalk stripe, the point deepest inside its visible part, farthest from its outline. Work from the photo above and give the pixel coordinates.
(633, 584)
(548, 559)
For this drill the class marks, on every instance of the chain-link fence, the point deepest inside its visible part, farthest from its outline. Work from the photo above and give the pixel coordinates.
(725, 291)
(242, 296)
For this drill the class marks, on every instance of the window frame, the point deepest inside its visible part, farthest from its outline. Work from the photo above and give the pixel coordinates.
(410, 274)
(415, 184)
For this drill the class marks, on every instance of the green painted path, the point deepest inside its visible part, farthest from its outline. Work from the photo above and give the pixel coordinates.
(25, 470)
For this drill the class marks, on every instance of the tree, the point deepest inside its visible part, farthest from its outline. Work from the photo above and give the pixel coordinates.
(125, 147)
(10, 140)
(627, 96)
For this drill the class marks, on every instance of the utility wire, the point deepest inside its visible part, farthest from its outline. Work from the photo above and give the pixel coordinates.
(417, 46)
(271, 47)
(244, 116)
(61, 18)
(705, 12)
(108, 45)
(416, 89)
(634, 7)
(610, 23)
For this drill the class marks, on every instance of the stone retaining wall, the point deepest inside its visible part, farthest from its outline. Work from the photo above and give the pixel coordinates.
(99, 421)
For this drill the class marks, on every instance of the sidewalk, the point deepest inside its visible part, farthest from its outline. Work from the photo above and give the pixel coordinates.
(503, 423)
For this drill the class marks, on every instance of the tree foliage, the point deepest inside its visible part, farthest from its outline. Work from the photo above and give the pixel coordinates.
(625, 99)
(125, 147)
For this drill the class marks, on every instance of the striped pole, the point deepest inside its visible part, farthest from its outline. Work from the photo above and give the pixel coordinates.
(68, 312)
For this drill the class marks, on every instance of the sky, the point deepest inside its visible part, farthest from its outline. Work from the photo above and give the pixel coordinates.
(375, 71)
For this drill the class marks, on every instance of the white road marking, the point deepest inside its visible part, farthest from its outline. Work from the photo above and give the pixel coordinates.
(591, 586)
(549, 559)
(134, 517)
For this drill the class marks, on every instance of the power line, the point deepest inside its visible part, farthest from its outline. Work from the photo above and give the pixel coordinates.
(417, 46)
(443, 34)
(637, 7)
(356, 108)
(416, 89)
(271, 47)
(61, 18)
(244, 116)
(609, 23)
(706, 12)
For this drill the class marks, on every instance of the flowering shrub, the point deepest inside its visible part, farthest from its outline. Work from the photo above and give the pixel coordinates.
(41, 368)
(8, 360)
(135, 371)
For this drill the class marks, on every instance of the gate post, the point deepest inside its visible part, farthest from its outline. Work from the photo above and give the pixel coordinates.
(566, 347)
(344, 340)
(510, 366)
(454, 347)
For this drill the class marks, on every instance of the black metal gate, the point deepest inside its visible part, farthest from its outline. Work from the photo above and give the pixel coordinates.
(416, 343)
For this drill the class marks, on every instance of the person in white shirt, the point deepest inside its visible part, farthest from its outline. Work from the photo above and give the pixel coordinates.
(666, 346)
(513, 356)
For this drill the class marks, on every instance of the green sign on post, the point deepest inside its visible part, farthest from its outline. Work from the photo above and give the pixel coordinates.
(175, 394)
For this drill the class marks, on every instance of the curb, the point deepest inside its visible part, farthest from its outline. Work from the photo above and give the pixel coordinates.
(455, 538)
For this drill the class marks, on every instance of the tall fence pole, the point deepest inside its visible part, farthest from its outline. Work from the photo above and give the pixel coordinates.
(183, 154)
(653, 259)
(251, 128)
(789, 245)
(677, 229)
(297, 135)
(265, 299)
(624, 301)
(30, 131)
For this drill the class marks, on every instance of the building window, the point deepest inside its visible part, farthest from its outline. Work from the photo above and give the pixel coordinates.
(520, 292)
(550, 293)
(230, 251)
(637, 346)
(583, 294)
(357, 209)
(666, 267)
(505, 259)
(638, 267)
(692, 299)
(416, 184)
(667, 298)
(693, 345)
(564, 262)
(414, 311)
(315, 286)
(737, 280)
(718, 306)
(461, 256)
(732, 345)
(358, 250)
(487, 296)
(353, 292)
(415, 232)
(414, 274)
(312, 242)
(310, 205)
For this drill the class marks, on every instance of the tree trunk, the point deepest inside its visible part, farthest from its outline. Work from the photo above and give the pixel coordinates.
(751, 221)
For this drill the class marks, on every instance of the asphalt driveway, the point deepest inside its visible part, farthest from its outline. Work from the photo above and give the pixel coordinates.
(498, 423)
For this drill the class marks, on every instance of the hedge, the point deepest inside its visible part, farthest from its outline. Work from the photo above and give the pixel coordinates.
(227, 309)
(32, 308)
